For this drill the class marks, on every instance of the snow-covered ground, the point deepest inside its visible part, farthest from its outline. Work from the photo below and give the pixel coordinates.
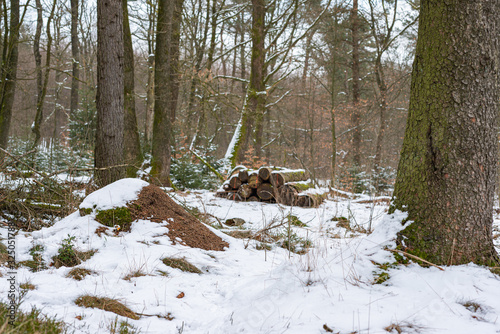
(247, 289)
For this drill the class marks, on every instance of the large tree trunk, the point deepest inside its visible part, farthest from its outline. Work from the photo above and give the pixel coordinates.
(109, 99)
(257, 94)
(132, 154)
(447, 172)
(247, 134)
(8, 74)
(166, 87)
(75, 53)
(356, 112)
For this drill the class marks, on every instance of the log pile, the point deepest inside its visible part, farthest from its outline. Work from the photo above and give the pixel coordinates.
(271, 185)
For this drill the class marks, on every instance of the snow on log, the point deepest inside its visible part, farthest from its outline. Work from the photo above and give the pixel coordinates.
(279, 178)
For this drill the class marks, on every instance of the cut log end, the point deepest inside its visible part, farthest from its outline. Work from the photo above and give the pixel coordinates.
(265, 191)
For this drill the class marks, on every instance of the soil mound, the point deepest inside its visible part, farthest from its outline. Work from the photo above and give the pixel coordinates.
(155, 205)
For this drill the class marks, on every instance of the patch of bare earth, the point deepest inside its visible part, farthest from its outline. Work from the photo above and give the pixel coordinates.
(155, 205)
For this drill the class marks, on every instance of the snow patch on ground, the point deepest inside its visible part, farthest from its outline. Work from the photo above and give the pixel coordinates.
(247, 290)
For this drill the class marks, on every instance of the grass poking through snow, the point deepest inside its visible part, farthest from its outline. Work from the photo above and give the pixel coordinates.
(106, 304)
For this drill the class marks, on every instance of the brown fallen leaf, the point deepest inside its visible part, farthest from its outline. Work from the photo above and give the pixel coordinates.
(180, 295)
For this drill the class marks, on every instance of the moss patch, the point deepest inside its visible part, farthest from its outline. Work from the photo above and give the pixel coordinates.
(117, 216)
(182, 264)
(106, 304)
(85, 211)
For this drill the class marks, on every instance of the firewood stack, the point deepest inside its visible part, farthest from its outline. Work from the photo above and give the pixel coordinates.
(272, 185)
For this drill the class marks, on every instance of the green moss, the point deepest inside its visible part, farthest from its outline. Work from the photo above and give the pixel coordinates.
(85, 211)
(117, 216)
(37, 263)
(381, 277)
(295, 221)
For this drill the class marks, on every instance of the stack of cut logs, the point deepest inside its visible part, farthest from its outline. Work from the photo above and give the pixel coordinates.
(273, 185)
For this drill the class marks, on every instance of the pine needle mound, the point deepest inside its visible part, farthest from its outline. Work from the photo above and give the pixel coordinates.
(106, 304)
(155, 205)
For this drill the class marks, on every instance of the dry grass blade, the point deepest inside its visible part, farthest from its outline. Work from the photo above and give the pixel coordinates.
(106, 304)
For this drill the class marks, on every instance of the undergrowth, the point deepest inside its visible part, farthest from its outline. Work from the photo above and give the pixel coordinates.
(33, 322)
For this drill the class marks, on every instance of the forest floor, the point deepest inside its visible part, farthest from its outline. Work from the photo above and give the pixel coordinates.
(285, 270)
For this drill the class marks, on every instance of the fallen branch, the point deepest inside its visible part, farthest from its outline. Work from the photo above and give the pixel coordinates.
(203, 161)
(415, 257)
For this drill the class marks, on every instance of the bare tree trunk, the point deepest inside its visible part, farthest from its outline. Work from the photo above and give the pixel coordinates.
(8, 72)
(42, 82)
(379, 75)
(356, 112)
(447, 172)
(38, 70)
(166, 87)
(132, 154)
(75, 54)
(150, 97)
(109, 101)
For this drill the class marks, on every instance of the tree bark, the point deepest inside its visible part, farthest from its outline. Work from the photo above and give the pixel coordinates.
(150, 94)
(166, 87)
(42, 76)
(447, 172)
(8, 73)
(75, 53)
(356, 113)
(255, 99)
(109, 100)
(132, 154)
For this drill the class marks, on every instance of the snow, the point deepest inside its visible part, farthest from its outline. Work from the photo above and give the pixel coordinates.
(246, 290)
(116, 194)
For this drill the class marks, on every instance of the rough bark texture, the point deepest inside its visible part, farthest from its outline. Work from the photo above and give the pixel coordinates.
(447, 172)
(265, 191)
(8, 74)
(75, 53)
(356, 113)
(132, 154)
(109, 99)
(166, 86)
(255, 100)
